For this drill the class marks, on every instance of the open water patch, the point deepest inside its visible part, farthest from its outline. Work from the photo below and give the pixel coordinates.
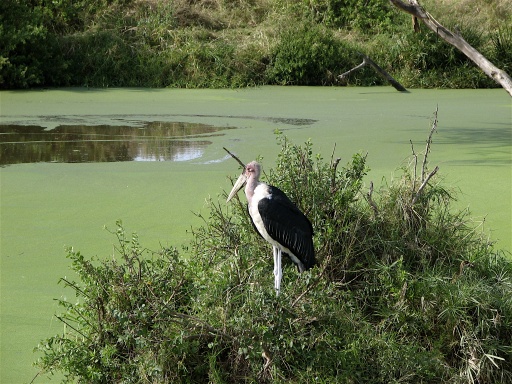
(152, 141)
(112, 138)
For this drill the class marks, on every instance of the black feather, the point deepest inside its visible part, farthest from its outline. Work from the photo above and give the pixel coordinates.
(287, 225)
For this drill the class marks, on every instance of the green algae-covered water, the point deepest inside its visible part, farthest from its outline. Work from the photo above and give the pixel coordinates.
(76, 160)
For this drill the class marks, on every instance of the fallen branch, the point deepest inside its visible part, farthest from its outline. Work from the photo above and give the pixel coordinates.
(498, 75)
(378, 69)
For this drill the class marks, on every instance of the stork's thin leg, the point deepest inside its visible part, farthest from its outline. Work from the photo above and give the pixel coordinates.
(279, 273)
(276, 272)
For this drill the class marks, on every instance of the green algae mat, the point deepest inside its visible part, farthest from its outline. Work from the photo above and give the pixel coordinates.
(154, 180)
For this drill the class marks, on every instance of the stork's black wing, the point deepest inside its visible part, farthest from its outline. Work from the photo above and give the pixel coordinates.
(286, 224)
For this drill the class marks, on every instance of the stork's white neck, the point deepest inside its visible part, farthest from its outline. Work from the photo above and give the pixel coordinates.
(250, 186)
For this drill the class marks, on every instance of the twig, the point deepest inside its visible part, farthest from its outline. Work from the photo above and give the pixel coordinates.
(307, 290)
(40, 371)
(334, 166)
(415, 166)
(311, 286)
(235, 157)
(268, 359)
(424, 184)
(345, 74)
(199, 323)
(332, 154)
(333, 178)
(61, 318)
(429, 142)
(370, 200)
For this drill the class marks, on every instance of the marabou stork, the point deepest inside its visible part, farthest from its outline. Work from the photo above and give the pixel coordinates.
(277, 220)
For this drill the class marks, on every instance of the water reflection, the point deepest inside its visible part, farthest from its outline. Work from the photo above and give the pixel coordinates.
(155, 141)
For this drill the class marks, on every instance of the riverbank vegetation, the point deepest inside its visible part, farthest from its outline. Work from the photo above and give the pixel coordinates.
(236, 43)
(406, 290)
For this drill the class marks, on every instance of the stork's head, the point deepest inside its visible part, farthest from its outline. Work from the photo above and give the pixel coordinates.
(251, 172)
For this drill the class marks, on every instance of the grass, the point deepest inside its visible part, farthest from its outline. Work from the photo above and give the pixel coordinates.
(225, 43)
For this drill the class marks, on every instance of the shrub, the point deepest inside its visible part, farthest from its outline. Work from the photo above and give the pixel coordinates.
(369, 16)
(424, 60)
(309, 55)
(502, 48)
(24, 50)
(405, 291)
(234, 43)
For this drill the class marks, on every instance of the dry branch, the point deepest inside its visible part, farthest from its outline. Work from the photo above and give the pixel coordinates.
(333, 177)
(429, 143)
(349, 72)
(423, 185)
(370, 200)
(424, 177)
(415, 157)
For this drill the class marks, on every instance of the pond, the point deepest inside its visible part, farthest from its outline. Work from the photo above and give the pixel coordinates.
(154, 141)
(76, 160)
(144, 141)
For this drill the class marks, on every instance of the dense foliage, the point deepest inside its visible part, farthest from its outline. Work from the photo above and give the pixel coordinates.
(310, 55)
(232, 43)
(405, 291)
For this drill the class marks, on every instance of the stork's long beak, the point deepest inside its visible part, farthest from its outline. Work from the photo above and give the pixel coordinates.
(238, 186)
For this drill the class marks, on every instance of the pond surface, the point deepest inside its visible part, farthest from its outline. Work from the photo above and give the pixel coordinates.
(153, 141)
(85, 143)
(58, 195)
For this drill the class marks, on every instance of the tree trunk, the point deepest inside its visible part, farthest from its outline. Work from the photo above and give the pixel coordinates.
(498, 75)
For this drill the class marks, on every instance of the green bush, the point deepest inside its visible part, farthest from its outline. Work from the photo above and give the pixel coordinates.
(369, 16)
(405, 291)
(234, 43)
(501, 53)
(423, 60)
(309, 55)
(23, 51)
(33, 37)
